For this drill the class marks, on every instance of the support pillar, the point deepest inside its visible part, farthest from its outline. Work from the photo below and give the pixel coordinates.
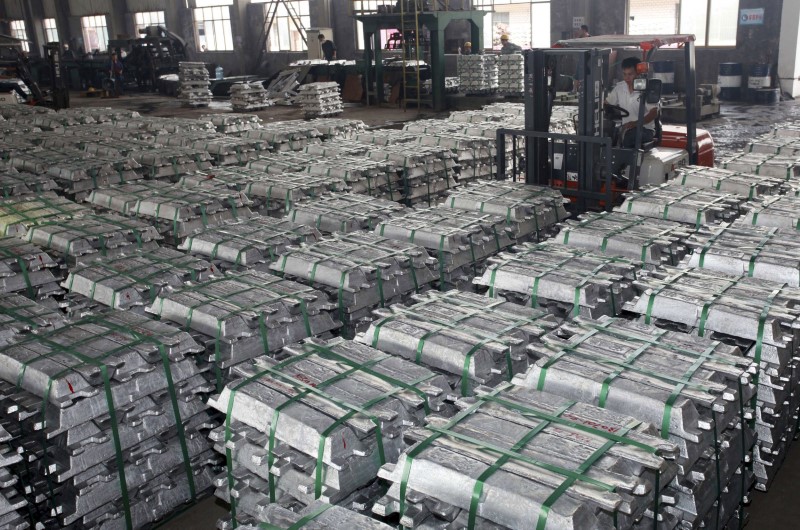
(789, 49)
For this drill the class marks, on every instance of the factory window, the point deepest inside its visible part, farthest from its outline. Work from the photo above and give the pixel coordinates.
(95, 33)
(713, 22)
(290, 18)
(50, 29)
(366, 7)
(148, 18)
(212, 27)
(18, 32)
(527, 23)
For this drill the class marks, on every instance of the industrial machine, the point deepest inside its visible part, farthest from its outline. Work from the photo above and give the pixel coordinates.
(156, 53)
(15, 74)
(707, 105)
(590, 167)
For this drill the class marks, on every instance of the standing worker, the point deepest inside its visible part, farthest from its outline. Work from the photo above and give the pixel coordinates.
(584, 32)
(115, 72)
(328, 48)
(508, 47)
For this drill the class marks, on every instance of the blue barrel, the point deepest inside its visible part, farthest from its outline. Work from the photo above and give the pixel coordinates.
(766, 96)
(730, 81)
(759, 76)
(665, 71)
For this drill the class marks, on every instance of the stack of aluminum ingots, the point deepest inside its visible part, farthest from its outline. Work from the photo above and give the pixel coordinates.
(512, 109)
(511, 74)
(474, 155)
(384, 137)
(113, 145)
(15, 184)
(467, 337)
(766, 253)
(193, 89)
(12, 504)
(337, 147)
(249, 97)
(370, 177)
(530, 211)
(770, 144)
(477, 74)
(318, 425)
(566, 281)
(171, 162)
(133, 280)
(18, 214)
(270, 194)
(77, 178)
(434, 127)
(781, 212)
(747, 185)
(361, 271)
(108, 415)
(695, 391)
(89, 237)
(332, 128)
(39, 159)
(781, 130)
(28, 270)
(225, 150)
(461, 241)
(428, 172)
(316, 516)
(172, 125)
(248, 245)
(20, 315)
(652, 242)
(233, 123)
(319, 99)
(245, 315)
(105, 114)
(283, 162)
(763, 164)
(286, 135)
(759, 316)
(518, 458)
(344, 212)
(175, 212)
(451, 85)
(694, 206)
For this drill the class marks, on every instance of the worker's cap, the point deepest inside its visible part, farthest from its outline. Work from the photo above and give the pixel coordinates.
(468, 44)
(504, 37)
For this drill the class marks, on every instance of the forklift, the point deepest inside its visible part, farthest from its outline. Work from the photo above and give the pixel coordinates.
(591, 167)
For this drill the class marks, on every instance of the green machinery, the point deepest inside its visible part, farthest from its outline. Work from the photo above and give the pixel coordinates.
(414, 20)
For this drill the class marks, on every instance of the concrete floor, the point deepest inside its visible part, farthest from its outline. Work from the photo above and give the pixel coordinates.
(736, 125)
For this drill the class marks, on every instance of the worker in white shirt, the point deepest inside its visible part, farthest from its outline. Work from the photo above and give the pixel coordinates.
(626, 98)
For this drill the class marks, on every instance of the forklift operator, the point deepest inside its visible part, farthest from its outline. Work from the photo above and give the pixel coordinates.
(627, 99)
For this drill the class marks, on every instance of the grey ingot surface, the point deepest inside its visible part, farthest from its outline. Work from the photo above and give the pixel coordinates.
(360, 270)
(734, 305)
(93, 235)
(38, 159)
(774, 212)
(377, 179)
(252, 243)
(171, 161)
(642, 366)
(454, 237)
(27, 269)
(19, 214)
(135, 278)
(226, 149)
(769, 165)
(477, 74)
(319, 99)
(246, 97)
(337, 127)
(653, 242)
(19, 315)
(14, 183)
(446, 471)
(461, 334)
(332, 518)
(280, 162)
(337, 147)
(748, 185)
(766, 253)
(344, 212)
(346, 373)
(286, 135)
(775, 145)
(235, 307)
(693, 206)
(527, 209)
(539, 274)
(233, 122)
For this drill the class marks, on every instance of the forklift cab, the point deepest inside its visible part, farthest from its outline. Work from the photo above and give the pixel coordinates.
(590, 166)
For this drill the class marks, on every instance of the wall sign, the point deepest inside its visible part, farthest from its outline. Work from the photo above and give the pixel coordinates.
(577, 22)
(751, 17)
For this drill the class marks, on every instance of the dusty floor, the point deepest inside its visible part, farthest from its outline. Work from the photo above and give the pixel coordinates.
(736, 125)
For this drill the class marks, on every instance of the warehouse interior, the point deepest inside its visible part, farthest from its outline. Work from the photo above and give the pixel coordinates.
(382, 264)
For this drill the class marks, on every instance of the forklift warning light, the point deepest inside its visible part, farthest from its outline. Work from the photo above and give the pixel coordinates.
(642, 68)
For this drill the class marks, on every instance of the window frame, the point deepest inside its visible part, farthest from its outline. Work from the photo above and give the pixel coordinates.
(709, 13)
(85, 26)
(488, 25)
(50, 32)
(20, 31)
(158, 20)
(223, 23)
(285, 35)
